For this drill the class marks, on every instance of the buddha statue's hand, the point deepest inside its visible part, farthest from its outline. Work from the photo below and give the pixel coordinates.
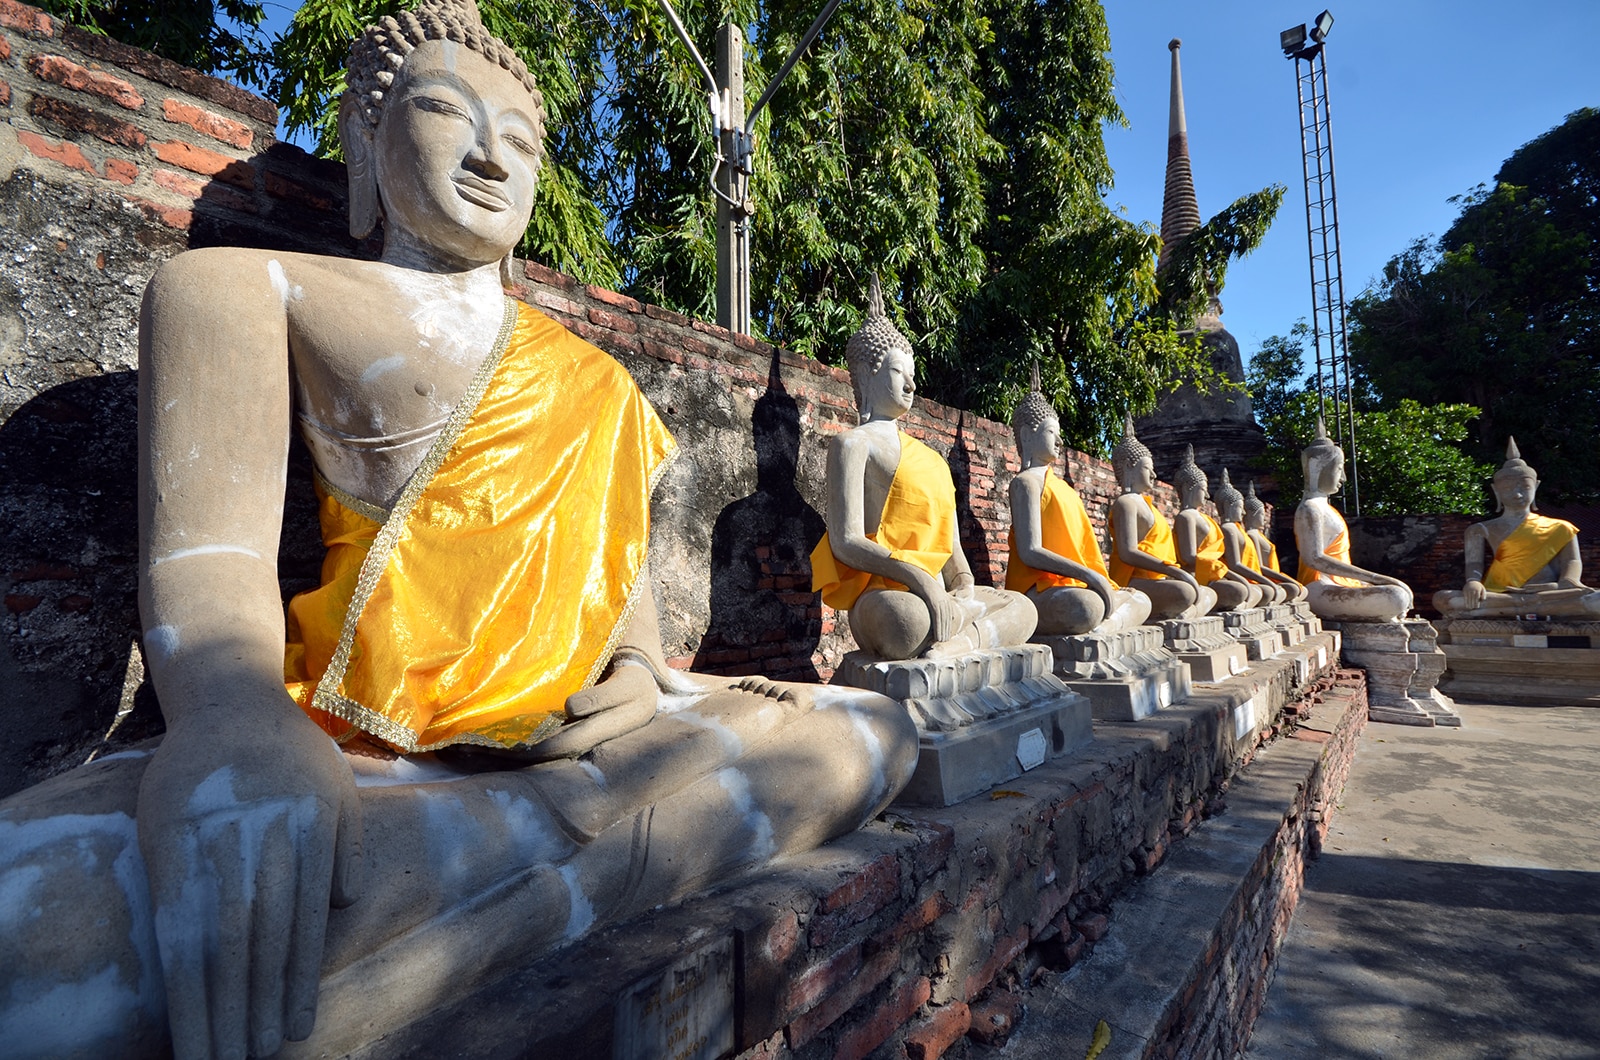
(1101, 586)
(250, 828)
(961, 586)
(623, 702)
(945, 615)
(1175, 571)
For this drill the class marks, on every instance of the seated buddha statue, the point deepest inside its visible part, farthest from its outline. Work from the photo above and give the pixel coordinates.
(1200, 543)
(1143, 556)
(1255, 524)
(1238, 549)
(1534, 567)
(1055, 556)
(290, 860)
(892, 555)
(1337, 589)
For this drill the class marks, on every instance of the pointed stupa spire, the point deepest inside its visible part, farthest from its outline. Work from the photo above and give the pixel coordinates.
(1180, 211)
(1514, 464)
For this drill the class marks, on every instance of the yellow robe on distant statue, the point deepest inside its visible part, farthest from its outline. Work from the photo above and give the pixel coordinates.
(1339, 549)
(506, 573)
(1157, 542)
(1526, 550)
(918, 527)
(1065, 529)
(1272, 556)
(1208, 563)
(1247, 551)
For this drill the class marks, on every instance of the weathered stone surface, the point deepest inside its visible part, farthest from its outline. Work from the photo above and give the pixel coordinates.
(1249, 627)
(1126, 675)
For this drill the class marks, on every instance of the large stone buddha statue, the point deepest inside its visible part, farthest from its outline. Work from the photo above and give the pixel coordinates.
(1143, 556)
(892, 555)
(248, 882)
(1200, 541)
(1055, 555)
(1255, 524)
(1520, 562)
(1337, 589)
(1239, 549)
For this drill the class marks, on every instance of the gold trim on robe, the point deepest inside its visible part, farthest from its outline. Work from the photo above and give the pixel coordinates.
(1247, 551)
(1339, 549)
(508, 570)
(918, 527)
(1065, 529)
(1208, 562)
(1526, 551)
(1157, 542)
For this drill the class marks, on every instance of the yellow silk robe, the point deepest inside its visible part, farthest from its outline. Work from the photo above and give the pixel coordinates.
(1157, 542)
(1526, 550)
(1208, 564)
(918, 526)
(506, 573)
(1247, 551)
(1339, 549)
(1065, 529)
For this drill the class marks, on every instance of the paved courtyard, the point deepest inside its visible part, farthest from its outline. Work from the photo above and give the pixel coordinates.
(1455, 911)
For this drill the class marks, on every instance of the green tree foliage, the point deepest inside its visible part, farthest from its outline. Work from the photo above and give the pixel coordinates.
(1503, 312)
(213, 36)
(1410, 456)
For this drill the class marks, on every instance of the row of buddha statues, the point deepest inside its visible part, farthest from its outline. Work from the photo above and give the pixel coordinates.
(465, 747)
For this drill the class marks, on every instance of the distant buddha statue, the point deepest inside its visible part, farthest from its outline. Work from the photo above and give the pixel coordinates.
(1239, 551)
(1255, 523)
(1534, 567)
(1143, 556)
(1055, 554)
(1200, 542)
(484, 479)
(1337, 589)
(892, 555)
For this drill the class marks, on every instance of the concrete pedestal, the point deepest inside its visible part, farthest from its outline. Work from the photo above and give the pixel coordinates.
(1522, 662)
(1205, 645)
(985, 717)
(1126, 676)
(1249, 627)
(1403, 664)
(1282, 619)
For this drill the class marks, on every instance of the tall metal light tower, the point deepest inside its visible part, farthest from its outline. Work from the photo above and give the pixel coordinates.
(1308, 50)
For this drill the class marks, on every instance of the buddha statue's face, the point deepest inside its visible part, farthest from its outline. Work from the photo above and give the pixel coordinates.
(887, 393)
(1041, 444)
(1325, 473)
(1230, 511)
(1255, 518)
(1140, 476)
(1192, 494)
(1515, 491)
(455, 155)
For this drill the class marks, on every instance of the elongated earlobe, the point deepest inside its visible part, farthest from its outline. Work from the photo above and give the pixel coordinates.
(355, 135)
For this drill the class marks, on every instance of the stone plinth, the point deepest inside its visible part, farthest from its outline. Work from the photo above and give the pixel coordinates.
(1403, 664)
(1126, 675)
(1205, 645)
(1249, 627)
(1286, 624)
(1522, 662)
(985, 717)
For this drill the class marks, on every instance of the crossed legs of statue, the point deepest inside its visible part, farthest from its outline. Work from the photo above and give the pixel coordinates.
(1583, 603)
(894, 624)
(1175, 598)
(469, 872)
(1069, 611)
(1232, 595)
(1358, 603)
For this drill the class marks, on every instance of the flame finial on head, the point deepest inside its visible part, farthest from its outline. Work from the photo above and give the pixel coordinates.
(872, 342)
(1253, 507)
(1189, 474)
(1033, 409)
(1227, 497)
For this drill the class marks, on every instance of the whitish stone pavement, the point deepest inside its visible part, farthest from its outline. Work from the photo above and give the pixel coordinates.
(1455, 911)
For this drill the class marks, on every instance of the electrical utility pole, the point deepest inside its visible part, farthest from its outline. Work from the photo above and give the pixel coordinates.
(730, 174)
(1322, 238)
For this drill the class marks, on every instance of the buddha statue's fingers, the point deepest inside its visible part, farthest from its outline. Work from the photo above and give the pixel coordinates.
(629, 682)
(584, 735)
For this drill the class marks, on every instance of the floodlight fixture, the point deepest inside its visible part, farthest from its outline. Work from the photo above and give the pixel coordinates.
(1291, 40)
(1324, 23)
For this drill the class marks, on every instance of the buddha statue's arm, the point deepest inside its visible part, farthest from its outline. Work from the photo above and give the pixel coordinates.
(1233, 556)
(846, 521)
(1126, 534)
(1476, 547)
(1026, 495)
(957, 571)
(1312, 538)
(1569, 566)
(248, 819)
(1186, 539)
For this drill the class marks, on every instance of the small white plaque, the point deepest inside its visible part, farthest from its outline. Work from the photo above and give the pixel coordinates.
(1164, 695)
(1302, 671)
(1322, 657)
(1234, 665)
(1031, 749)
(1530, 640)
(1244, 718)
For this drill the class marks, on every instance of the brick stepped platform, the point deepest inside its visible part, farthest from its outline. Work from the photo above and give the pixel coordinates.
(1185, 957)
(892, 937)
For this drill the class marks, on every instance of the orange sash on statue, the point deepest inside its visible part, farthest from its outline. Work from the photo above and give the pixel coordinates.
(506, 573)
(1157, 542)
(1339, 549)
(1208, 562)
(1247, 551)
(1065, 529)
(1526, 550)
(918, 526)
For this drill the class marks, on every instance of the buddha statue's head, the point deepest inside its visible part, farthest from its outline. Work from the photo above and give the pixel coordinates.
(1255, 512)
(1322, 462)
(1131, 460)
(1230, 502)
(443, 133)
(882, 372)
(1515, 484)
(1036, 427)
(1190, 481)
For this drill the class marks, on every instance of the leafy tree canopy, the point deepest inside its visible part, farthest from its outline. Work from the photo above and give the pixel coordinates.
(1503, 312)
(1410, 455)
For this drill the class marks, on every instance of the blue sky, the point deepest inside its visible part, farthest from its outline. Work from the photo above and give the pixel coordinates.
(1428, 98)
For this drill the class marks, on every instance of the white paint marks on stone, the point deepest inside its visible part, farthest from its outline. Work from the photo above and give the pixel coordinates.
(205, 550)
(580, 911)
(161, 643)
(382, 366)
(861, 721)
(280, 282)
(732, 745)
(594, 773)
(737, 785)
